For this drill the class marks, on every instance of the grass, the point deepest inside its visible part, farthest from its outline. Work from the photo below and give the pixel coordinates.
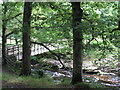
(28, 80)
(90, 86)
(66, 81)
(45, 82)
(0, 75)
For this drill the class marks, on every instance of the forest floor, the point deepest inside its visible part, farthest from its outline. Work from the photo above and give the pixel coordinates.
(10, 80)
(8, 84)
(13, 81)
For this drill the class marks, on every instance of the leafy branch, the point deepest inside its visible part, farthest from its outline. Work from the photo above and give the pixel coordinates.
(116, 28)
(13, 17)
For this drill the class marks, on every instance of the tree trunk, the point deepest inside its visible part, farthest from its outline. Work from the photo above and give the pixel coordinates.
(26, 66)
(4, 34)
(77, 43)
(16, 41)
(119, 28)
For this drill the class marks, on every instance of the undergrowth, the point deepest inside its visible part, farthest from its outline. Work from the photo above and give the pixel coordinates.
(44, 82)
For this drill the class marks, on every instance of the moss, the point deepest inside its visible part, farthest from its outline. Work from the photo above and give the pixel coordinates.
(82, 85)
(66, 81)
(98, 86)
(0, 75)
(90, 86)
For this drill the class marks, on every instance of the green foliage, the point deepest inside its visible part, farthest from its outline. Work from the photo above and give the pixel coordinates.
(104, 20)
(13, 22)
(34, 58)
(51, 22)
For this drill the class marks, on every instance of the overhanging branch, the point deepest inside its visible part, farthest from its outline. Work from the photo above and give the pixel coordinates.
(13, 17)
(116, 29)
(18, 20)
(88, 20)
(50, 52)
(9, 34)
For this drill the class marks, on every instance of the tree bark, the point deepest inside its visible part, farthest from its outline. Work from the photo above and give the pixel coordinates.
(26, 66)
(119, 28)
(77, 43)
(4, 23)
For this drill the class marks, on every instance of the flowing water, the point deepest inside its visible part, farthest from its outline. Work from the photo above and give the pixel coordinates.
(107, 80)
(57, 76)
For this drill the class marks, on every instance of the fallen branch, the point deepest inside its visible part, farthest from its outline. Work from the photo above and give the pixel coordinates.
(63, 66)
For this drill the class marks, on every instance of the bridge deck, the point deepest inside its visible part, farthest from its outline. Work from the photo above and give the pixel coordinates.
(35, 49)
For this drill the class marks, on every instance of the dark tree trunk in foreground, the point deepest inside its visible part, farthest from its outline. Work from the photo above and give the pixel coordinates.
(77, 43)
(4, 34)
(3, 42)
(26, 66)
(119, 29)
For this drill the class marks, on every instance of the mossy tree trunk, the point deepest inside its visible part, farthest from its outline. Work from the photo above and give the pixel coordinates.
(77, 43)
(26, 66)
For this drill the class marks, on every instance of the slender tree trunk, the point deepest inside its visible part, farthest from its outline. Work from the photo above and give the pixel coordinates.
(16, 41)
(77, 43)
(119, 28)
(4, 34)
(26, 66)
